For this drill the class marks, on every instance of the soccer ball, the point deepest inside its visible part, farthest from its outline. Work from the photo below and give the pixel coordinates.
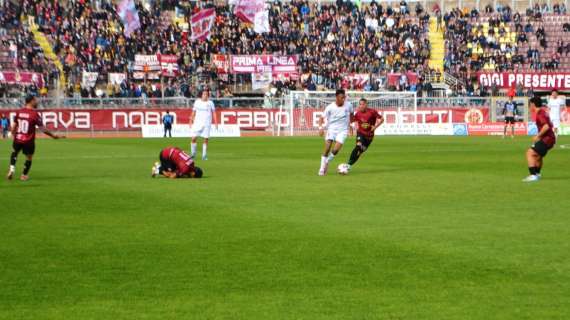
(343, 168)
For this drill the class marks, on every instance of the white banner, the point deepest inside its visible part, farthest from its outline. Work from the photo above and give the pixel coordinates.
(183, 131)
(261, 80)
(146, 63)
(261, 22)
(117, 78)
(429, 129)
(89, 79)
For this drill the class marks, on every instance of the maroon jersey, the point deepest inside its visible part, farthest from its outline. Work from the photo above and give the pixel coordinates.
(543, 119)
(26, 121)
(184, 163)
(366, 120)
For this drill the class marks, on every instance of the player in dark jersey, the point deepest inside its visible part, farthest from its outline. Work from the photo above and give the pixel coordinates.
(542, 142)
(175, 163)
(24, 132)
(367, 120)
(510, 111)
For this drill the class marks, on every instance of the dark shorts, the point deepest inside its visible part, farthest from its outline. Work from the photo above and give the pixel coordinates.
(364, 140)
(541, 148)
(165, 164)
(26, 148)
(167, 126)
(510, 120)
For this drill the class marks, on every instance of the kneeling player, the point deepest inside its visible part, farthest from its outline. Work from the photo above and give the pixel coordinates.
(175, 163)
(542, 142)
(367, 121)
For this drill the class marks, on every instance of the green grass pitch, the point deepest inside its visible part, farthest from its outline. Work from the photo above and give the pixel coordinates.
(422, 228)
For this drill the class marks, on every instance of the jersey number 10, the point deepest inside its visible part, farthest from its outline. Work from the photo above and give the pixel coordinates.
(23, 126)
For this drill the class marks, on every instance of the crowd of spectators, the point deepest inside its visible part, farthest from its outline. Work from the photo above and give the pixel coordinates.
(332, 39)
(501, 40)
(20, 51)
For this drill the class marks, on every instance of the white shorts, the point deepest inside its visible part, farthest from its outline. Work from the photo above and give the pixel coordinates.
(200, 130)
(555, 123)
(337, 135)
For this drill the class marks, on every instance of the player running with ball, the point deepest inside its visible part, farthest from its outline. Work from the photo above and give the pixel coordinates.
(367, 121)
(338, 116)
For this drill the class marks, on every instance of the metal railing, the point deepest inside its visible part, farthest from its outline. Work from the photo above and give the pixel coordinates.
(233, 102)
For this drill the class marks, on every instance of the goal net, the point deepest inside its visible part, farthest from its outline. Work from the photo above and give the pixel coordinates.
(299, 116)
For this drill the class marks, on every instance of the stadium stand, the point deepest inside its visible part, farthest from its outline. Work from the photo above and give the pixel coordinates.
(504, 40)
(61, 40)
(332, 39)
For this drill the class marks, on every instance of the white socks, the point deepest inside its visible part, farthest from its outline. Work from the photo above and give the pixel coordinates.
(204, 150)
(193, 147)
(323, 162)
(330, 157)
(12, 168)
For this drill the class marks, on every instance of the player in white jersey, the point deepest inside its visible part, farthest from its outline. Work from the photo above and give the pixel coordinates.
(338, 117)
(201, 120)
(555, 105)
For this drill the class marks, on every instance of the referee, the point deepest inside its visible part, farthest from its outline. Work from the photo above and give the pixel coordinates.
(167, 121)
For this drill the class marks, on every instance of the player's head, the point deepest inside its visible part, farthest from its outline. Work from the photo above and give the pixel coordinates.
(31, 101)
(362, 105)
(205, 93)
(197, 173)
(340, 97)
(167, 112)
(511, 97)
(535, 103)
(554, 93)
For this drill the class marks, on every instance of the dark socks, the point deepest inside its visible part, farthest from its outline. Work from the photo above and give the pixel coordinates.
(27, 166)
(356, 152)
(538, 169)
(13, 158)
(533, 170)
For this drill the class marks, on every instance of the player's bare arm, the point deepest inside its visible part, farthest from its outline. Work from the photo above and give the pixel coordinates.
(541, 133)
(51, 134)
(192, 116)
(214, 117)
(321, 123)
(378, 123)
(14, 128)
(169, 174)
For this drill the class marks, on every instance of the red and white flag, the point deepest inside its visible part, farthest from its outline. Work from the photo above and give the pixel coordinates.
(245, 10)
(169, 65)
(202, 24)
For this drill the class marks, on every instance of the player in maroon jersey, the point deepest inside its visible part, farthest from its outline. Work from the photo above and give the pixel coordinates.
(24, 132)
(542, 142)
(367, 120)
(175, 163)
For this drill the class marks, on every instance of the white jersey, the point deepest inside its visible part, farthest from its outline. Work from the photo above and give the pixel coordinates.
(338, 118)
(555, 106)
(203, 111)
